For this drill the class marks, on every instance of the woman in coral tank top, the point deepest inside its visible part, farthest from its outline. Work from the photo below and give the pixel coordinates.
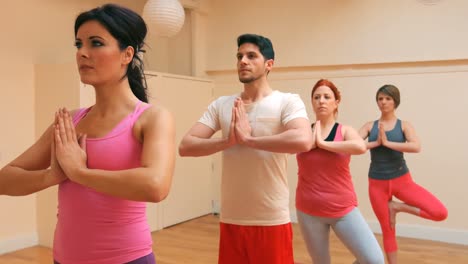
(108, 159)
(325, 196)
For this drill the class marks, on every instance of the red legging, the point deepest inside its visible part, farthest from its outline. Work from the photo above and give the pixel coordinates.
(407, 191)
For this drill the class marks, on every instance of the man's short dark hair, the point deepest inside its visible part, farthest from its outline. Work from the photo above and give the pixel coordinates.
(263, 44)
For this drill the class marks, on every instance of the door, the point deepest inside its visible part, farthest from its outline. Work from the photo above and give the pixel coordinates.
(192, 188)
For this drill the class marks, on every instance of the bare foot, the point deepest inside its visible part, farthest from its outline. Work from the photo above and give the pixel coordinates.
(392, 210)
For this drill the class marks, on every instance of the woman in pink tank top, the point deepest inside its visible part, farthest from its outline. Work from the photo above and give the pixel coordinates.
(325, 196)
(108, 159)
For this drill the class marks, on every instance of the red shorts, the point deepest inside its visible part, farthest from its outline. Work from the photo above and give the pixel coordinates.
(255, 244)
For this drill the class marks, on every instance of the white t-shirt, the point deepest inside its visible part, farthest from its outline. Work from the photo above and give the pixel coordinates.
(254, 186)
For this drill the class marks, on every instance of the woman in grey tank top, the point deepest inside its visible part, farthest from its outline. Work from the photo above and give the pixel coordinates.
(388, 138)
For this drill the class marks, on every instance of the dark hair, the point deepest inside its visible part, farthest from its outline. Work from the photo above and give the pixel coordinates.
(329, 84)
(390, 90)
(129, 29)
(263, 44)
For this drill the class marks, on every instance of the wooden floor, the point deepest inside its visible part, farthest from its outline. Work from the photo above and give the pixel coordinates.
(196, 242)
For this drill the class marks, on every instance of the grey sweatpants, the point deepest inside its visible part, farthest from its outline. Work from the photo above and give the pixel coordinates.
(351, 229)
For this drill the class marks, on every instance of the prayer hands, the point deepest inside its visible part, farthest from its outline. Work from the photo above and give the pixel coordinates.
(240, 130)
(382, 138)
(56, 171)
(317, 134)
(70, 150)
(243, 130)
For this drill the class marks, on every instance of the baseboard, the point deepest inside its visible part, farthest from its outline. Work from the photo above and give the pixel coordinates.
(454, 236)
(215, 207)
(18, 242)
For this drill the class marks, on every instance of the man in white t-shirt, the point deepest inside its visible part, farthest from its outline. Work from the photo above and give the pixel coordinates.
(259, 127)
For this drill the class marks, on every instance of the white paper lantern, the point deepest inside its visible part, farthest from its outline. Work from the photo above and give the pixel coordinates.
(164, 17)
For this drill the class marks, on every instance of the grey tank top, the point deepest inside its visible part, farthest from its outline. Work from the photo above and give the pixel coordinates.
(387, 163)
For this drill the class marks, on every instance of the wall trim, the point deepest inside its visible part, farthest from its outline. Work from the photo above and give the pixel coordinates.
(446, 235)
(18, 242)
(351, 70)
(150, 74)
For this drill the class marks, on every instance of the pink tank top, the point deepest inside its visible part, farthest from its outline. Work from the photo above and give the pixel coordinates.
(325, 187)
(96, 228)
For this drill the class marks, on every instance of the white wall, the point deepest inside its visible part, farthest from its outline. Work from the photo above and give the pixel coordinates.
(336, 32)
(171, 55)
(17, 214)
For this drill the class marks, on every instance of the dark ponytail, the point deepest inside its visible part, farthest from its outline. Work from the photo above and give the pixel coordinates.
(136, 78)
(129, 29)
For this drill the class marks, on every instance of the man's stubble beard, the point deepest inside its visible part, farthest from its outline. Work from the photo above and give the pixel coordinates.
(249, 79)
